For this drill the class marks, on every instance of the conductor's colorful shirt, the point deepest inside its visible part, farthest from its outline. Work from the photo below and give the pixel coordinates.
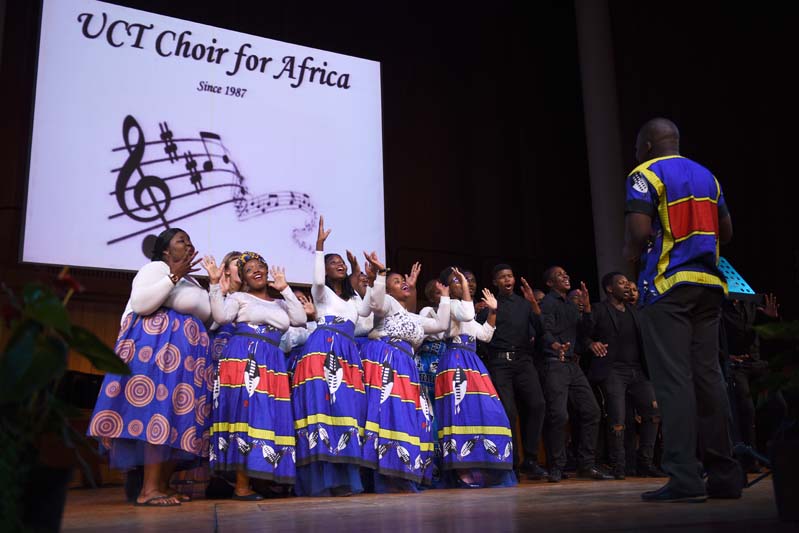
(685, 202)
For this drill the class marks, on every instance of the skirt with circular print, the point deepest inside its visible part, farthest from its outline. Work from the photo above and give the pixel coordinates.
(253, 426)
(329, 404)
(161, 411)
(473, 429)
(399, 438)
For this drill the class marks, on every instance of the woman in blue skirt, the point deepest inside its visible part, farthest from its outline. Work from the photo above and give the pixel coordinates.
(475, 435)
(399, 437)
(327, 392)
(252, 432)
(230, 282)
(427, 357)
(159, 414)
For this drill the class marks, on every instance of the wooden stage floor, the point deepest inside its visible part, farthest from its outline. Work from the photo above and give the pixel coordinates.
(572, 505)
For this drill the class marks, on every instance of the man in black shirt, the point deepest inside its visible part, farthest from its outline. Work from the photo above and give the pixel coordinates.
(741, 344)
(509, 360)
(615, 342)
(563, 325)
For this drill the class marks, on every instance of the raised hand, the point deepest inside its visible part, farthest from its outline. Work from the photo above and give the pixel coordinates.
(467, 297)
(185, 266)
(772, 308)
(321, 235)
(527, 291)
(411, 278)
(584, 298)
(529, 295)
(490, 300)
(599, 349)
(354, 267)
(307, 305)
(279, 278)
(214, 272)
(371, 273)
(374, 261)
(224, 284)
(442, 289)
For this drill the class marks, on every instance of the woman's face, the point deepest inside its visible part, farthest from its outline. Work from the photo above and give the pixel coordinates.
(335, 268)
(472, 281)
(232, 271)
(255, 274)
(633, 290)
(396, 287)
(179, 247)
(455, 286)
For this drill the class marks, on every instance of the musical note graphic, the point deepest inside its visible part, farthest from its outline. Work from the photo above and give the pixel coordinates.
(195, 177)
(146, 184)
(170, 148)
(144, 197)
(205, 135)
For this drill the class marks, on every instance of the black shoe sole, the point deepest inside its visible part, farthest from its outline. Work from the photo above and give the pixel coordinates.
(681, 499)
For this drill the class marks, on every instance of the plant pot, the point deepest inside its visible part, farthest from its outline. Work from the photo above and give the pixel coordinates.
(785, 473)
(44, 497)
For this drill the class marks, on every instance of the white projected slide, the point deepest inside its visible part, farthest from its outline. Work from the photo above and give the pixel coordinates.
(143, 122)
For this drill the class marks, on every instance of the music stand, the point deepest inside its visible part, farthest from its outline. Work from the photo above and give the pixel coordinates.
(739, 289)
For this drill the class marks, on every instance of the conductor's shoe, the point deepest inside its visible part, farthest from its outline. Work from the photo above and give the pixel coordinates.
(668, 494)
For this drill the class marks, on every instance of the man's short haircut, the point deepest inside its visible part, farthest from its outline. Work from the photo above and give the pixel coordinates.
(548, 273)
(608, 278)
(500, 267)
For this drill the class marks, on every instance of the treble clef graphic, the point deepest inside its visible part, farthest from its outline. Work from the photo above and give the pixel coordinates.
(151, 185)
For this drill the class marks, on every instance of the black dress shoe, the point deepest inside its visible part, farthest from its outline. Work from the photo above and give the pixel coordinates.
(535, 472)
(651, 471)
(618, 473)
(667, 494)
(555, 475)
(594, 473)
(724, 492)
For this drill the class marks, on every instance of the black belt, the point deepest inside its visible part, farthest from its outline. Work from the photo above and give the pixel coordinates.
(461, 347)
(401, 348)
(334, 330)
(259, 337)
(508, 356)
(564, 359)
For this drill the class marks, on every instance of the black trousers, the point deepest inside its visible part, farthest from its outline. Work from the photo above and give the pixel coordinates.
(744, 407)
(517, 381)
(621, 384)
(565, 385)
(681, 344)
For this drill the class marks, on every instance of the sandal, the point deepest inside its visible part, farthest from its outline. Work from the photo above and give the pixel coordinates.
(182, 498)
(254, 497)
(154, 502)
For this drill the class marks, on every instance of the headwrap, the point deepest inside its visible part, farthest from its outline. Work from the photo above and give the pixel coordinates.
(249, 256)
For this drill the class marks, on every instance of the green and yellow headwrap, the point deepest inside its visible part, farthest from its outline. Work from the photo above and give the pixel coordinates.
(249, 256)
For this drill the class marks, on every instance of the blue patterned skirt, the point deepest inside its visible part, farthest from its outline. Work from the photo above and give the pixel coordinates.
(253, 426)
(165, 402)
(399, 437)
(329, 405)
(473, 428)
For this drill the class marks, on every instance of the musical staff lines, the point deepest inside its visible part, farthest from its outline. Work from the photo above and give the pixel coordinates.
(206, 168)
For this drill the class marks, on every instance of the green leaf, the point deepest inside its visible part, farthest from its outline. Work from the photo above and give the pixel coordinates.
(92, 348)
(787, 331)
(17, 359)
(42, 305)
(48, 361)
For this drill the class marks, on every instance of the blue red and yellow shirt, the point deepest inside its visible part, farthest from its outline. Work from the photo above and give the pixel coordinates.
(685, 202)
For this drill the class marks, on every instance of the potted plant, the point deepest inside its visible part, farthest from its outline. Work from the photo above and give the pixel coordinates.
(783, 377)
(36, 335)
